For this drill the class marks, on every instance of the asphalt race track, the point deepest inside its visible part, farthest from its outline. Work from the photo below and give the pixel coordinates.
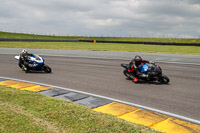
(104, 77)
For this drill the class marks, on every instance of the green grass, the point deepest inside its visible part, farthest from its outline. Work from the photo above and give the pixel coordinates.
(138, 39)
(195, 50)
(28, 112)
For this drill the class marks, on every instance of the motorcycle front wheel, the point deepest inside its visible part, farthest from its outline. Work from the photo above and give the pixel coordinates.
(164, 79)
(47, 69)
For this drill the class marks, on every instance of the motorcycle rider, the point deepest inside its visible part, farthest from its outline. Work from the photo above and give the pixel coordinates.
(23, 60)
(133, 68)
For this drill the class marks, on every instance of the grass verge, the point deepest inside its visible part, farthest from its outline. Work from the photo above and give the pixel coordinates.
(24, 111)
(195, 50)
(137, 39)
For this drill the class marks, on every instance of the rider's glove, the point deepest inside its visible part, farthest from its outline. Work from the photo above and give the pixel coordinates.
(34, 64)
(151, 62)
(143, 75)
(30, 65)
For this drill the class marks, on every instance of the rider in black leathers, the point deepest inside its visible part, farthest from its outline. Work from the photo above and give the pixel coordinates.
(133, 68)
(23, 60)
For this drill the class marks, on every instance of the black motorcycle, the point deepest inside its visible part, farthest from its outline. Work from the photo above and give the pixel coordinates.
(154, 71)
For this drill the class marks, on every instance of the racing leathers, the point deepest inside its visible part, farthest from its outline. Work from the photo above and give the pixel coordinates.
(133, 69)
(23, 61)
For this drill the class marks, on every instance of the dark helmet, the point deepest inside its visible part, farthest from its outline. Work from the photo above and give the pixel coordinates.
(138, 58)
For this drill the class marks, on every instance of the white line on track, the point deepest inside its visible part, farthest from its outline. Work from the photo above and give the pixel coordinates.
(71, 56)
(170, 62)
(116, 100)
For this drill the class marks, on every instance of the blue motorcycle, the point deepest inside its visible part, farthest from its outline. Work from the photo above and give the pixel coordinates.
(37, 64)
(153, 70)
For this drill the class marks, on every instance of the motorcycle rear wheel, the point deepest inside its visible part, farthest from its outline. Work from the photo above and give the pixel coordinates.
(127, 74)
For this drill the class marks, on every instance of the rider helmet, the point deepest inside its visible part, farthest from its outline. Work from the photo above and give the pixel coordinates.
(24, 53)
(138, 58)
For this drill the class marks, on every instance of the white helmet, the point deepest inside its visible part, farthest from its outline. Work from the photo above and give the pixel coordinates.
(24, 51)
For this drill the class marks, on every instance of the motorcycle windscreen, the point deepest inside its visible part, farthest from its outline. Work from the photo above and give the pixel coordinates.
(17, 57)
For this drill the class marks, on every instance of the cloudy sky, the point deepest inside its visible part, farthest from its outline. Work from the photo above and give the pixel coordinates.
(123, 18)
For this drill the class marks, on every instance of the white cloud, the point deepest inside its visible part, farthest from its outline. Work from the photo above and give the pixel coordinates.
(151, 18)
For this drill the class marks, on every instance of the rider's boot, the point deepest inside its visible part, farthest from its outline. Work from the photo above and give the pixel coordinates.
(135, 80)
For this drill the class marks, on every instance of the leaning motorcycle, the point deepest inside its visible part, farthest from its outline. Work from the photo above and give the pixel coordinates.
(154, 70)
(37, 64)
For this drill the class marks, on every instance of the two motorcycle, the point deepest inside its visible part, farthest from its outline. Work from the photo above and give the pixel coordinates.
(156, 74)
